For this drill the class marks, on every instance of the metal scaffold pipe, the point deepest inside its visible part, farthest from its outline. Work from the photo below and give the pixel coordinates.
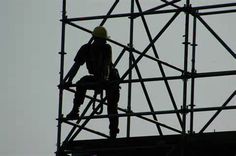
(182, 105)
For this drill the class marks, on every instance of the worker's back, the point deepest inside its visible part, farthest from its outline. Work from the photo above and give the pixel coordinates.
(98, 60)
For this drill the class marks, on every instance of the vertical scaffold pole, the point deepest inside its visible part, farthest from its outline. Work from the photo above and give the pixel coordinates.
(185, 79)
(62, 53)
(130, 64)
(193, 72)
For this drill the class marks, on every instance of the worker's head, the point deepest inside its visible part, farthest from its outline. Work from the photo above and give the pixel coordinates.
(100, 32)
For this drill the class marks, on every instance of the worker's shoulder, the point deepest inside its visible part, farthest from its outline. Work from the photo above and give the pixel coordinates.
(85, 46)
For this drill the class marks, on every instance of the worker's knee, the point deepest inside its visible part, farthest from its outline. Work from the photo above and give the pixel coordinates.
(113, 95)
(84, 82)
(86, 78)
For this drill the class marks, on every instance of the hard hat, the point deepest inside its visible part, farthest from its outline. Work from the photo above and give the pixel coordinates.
(100, 32)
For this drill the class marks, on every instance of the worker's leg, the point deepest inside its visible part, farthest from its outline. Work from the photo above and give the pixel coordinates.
(79, 97)
(113, 95)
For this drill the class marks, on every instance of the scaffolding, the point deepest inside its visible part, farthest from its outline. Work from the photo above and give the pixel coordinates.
(184, 112)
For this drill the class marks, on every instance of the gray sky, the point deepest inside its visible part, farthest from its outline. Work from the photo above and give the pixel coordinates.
(29, 63)
(30, 33)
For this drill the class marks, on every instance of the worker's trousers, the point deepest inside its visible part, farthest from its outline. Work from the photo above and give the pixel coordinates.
(112, 96)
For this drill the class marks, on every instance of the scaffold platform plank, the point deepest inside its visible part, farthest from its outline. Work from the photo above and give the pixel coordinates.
(206, 144)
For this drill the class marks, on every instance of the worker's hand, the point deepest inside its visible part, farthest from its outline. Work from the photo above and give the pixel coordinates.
(65, 85)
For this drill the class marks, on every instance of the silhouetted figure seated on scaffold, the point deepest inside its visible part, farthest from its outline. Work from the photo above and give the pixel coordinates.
(98, 59)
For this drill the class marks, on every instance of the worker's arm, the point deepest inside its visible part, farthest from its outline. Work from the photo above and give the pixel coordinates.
(67, 81)
(79, 60)
(72, 72)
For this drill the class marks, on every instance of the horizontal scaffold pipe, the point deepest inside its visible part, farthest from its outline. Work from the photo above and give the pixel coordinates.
(164, 112)
(125, 115)
(149, 12)
(214, 74)
(121, 15)
(195, 75)
(217, 12)
(154, 79)
(217, 6)
(190, 75)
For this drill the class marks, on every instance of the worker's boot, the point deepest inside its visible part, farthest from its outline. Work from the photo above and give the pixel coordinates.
(74, 114)
(113, 133)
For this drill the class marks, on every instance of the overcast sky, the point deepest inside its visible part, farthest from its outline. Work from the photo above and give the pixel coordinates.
(29, 65)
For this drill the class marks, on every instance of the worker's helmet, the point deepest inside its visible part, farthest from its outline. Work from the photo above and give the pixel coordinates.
(100, 32)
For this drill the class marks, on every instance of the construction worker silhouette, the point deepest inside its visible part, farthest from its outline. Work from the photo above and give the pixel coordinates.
(98, 59)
